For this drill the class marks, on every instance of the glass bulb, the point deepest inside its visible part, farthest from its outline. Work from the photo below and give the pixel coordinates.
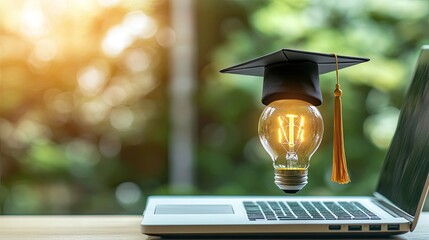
(290, 131)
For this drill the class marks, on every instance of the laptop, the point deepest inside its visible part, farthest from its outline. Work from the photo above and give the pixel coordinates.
(393, 209)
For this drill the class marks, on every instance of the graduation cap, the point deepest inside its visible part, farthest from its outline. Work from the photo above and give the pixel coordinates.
(294, 74)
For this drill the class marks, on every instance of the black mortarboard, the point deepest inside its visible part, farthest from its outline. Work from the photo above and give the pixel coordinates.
(292, 74)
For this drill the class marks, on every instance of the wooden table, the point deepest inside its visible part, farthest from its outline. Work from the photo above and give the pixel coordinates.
(109, 227)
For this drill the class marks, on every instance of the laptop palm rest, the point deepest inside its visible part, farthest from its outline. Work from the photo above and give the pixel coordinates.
(194, 209)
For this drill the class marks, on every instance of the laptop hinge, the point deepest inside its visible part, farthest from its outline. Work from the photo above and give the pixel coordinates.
(391, 208)
(384, 202)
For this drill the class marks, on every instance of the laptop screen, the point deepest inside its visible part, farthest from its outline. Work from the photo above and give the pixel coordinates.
(406, 166)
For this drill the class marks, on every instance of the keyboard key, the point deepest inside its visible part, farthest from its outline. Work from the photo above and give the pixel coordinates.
(298, 210)
(286, 209)
(276, 208)
(338, 211)
(253, 211)
(368, 212)
(267, 210)
(354, 211)
(324, 211)
(312, 210)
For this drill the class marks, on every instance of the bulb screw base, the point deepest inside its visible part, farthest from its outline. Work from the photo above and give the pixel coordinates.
(290, 181)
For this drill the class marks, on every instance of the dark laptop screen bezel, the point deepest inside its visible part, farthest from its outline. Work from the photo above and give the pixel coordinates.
(404, 180)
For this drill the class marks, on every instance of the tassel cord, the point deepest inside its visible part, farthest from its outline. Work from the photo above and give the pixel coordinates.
(339, 164)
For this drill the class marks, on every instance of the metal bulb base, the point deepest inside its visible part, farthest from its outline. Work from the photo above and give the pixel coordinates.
(290, 181)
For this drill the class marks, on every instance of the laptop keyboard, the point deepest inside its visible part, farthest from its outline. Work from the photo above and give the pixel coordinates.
(290, 210)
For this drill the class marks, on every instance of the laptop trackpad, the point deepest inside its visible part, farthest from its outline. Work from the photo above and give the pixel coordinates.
(194, 209)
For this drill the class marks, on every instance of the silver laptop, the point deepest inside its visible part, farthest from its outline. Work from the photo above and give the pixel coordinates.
(394, 207)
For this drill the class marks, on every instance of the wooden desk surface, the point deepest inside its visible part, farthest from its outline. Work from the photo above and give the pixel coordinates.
(109, 227)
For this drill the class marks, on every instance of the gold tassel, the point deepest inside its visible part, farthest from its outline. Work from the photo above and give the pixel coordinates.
(339, 163)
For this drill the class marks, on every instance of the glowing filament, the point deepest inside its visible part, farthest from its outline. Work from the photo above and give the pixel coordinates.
(291, 132)
(291, 118)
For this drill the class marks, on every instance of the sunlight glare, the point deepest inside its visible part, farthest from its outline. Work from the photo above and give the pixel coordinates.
(114, 95)
(166, 37)
(137, 61)
(94, 112)
(139, 24)
(91, 80)
(116, 40)
(34, 22)
(108, 3)
(135, 25)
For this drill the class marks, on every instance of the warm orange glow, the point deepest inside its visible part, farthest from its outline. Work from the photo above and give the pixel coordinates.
(88, 61)
(291, 122)
(292, 133)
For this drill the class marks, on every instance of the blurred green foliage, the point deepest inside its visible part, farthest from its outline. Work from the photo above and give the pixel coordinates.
(69, 145)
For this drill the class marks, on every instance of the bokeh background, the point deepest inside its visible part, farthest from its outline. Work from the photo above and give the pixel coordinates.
(105, 102)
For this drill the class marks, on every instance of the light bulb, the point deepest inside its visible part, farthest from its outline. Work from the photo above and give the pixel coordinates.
(290, 131)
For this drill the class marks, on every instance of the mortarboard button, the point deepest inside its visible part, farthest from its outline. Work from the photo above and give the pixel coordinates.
(292, 74)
